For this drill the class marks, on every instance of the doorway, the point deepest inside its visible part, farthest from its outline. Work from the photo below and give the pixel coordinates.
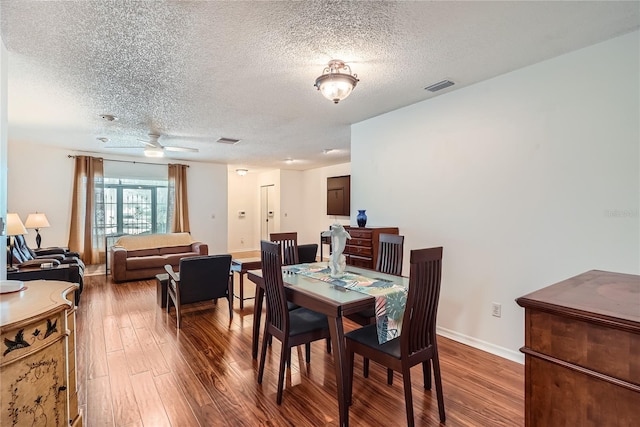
(267, 211)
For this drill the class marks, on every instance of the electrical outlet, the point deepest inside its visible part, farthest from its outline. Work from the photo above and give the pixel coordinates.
(496, 309)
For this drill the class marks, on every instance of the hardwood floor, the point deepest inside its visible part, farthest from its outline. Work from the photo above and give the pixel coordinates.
(134, 368)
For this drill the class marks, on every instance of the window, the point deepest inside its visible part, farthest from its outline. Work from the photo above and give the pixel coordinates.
(135, 206)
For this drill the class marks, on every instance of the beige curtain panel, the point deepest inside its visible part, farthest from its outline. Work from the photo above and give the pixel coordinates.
(86, 231)
(178, 206)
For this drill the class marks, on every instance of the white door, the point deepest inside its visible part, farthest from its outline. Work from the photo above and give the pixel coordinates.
(267, 214)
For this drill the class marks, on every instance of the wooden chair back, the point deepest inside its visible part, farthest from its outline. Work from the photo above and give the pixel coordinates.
(277, 311)
(390, 252)
(419, 321)
(288, 246)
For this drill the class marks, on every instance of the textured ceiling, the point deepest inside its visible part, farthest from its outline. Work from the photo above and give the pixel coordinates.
(197, 71)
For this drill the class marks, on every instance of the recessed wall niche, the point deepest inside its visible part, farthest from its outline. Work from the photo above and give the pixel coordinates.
(339, 195)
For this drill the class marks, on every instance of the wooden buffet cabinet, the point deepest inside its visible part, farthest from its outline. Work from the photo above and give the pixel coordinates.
(38, 363)
(362, 248)
(582, 351)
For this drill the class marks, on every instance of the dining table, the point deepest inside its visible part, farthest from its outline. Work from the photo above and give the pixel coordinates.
(332, 297)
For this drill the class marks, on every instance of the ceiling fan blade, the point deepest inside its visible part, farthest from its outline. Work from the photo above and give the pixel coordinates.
(123, 146)
(183, 149)
(154, 144)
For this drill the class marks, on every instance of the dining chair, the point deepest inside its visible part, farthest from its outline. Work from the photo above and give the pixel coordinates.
(288, 246)
(390, 253)
(291, 327)
(417, 341)
(202, 278)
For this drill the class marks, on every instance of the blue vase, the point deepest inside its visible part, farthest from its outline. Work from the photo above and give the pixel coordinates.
(362, 218)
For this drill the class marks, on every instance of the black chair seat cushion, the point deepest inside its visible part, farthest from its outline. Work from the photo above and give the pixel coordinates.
(292, 306)
(303, 320)
(368, 335)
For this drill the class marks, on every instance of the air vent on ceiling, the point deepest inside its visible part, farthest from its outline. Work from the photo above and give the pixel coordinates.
(230, 141)
(439, 86)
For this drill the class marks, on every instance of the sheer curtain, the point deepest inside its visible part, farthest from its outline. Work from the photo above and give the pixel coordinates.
(178, 206)
(86, 232)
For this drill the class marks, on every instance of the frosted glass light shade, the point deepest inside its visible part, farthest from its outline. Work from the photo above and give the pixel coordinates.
(336, 81)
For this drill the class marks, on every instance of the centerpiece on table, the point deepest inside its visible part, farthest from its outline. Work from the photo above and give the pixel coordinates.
(337, 261)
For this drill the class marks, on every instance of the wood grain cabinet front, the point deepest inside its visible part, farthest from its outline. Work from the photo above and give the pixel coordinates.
(582, 340)
(37, 365)
(362, 248)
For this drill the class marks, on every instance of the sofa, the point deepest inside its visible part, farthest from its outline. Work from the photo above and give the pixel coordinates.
(142, 256)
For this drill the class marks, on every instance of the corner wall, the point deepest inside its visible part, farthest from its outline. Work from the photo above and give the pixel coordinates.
(525, 180)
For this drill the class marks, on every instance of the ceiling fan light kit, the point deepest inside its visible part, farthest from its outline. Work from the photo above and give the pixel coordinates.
(153, 152)
(337, 81)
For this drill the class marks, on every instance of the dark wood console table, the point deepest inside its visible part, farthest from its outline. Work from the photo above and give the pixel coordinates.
(582, 351)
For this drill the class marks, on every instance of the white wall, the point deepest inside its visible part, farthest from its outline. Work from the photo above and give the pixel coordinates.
(40, 178)
(292, 211)
(3, 153)
(525, 179)
(314, 200)
(244, 195)
(208, 214)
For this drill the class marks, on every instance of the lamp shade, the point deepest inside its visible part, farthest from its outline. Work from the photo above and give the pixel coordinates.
(37, 220)
(15, 226)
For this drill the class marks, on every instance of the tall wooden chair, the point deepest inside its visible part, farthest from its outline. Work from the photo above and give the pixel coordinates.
(390, 254)
(417, 341)
(288, 246)
(390, 250)
(290, 327)
(202, 278)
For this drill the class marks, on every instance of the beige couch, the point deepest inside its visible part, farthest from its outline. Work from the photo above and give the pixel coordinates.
(143, 256)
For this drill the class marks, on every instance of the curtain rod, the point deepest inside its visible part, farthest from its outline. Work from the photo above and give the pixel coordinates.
(71, 156)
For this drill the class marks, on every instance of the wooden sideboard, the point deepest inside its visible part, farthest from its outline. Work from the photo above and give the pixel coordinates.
(582, 351)
(362, 248)
(37, 366)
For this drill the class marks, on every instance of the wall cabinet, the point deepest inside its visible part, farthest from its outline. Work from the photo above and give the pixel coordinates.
(362, 248)
(37, 364)
(339, 195)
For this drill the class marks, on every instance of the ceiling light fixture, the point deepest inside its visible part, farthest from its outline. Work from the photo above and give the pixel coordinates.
(327, 150)
(103, 139)
(108, 117)
(336, 81)
(153, 152)
(288, 161)
(241, 172)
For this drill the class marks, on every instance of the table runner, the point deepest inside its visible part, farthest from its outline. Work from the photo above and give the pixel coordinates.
(390, 297)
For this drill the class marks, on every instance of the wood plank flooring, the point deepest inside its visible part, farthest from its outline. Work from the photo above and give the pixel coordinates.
(136, 369)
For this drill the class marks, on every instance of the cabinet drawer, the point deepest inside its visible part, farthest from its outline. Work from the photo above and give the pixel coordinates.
(357, 261)
(355, 233)
(359, 250)
(361, 242)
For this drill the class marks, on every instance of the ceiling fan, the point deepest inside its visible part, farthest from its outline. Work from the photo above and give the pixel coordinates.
(155, 149)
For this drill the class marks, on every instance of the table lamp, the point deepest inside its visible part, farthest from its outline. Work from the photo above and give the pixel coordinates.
(37, 221)
(15, 227)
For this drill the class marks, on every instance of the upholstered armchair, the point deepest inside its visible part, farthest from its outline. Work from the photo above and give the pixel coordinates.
(63, 267)
(23, 256)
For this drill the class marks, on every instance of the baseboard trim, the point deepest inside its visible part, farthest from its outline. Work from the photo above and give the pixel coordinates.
(503, 352)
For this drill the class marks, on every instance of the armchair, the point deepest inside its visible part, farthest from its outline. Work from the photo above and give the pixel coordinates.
(201, 278)
(65, 267)
(23, 254)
